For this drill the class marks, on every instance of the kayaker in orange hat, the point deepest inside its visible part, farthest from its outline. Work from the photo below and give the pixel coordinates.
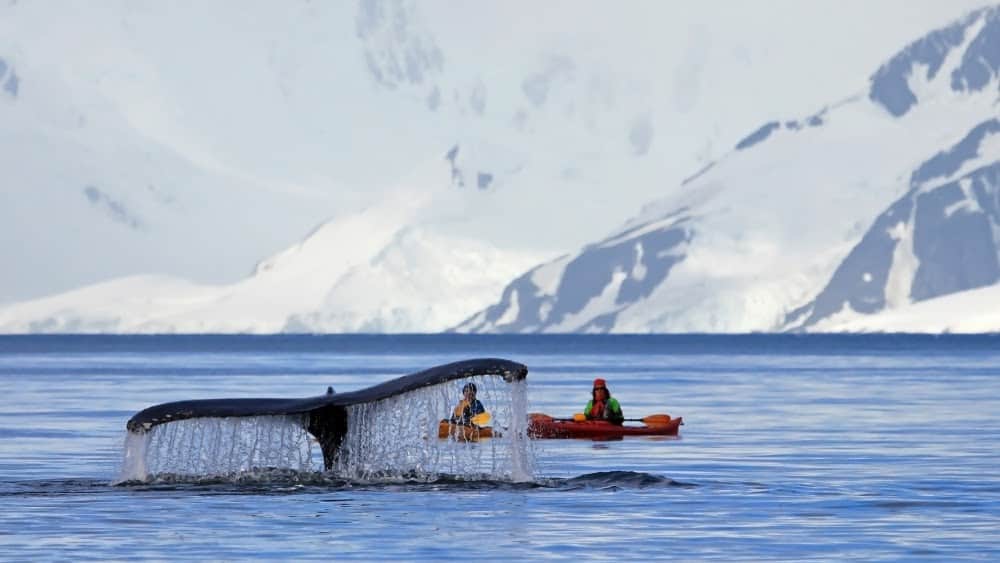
(602, 406)
(468, 407)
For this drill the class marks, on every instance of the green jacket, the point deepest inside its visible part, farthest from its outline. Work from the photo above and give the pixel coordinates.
(612, 411)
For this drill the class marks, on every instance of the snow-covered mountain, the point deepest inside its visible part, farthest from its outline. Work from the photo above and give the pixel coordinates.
(372, 271)
(189, 139)
(962, 312)
(888, 197)
(154, 152)
(417, 282)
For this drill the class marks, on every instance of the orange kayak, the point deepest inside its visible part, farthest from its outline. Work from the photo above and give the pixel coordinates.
(462, 433)
(544, 426)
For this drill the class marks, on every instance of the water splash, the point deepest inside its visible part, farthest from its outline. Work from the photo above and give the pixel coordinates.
(392, 439)
(397, 437)
(218, 447)
(522, 455)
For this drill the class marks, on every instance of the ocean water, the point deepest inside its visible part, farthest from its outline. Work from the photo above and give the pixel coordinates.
(875, 447)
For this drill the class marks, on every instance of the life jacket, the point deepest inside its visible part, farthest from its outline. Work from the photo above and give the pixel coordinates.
(597, 411)
(464, 412)
(608, 410)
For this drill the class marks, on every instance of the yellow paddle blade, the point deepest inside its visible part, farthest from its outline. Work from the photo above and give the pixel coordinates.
(579, 417)
(481, 419)
(656, 419)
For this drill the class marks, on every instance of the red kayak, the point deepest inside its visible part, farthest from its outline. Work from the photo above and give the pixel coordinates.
(544, 426)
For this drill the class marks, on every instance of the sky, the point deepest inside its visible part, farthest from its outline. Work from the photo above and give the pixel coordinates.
(217, 134)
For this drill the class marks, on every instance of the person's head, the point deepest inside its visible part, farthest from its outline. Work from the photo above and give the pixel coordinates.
(469, 390)
(600, 390)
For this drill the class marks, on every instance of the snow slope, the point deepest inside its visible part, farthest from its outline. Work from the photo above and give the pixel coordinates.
(191, 138)
(777, 234)
(372, 271)
(185, 140)
(415, 283)
(961, 312)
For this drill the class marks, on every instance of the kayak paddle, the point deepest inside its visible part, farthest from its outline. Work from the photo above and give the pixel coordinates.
(652, 420)
(481, 419)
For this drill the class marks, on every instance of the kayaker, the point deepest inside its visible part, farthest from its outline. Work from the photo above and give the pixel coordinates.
(468, 407)
(602, 406)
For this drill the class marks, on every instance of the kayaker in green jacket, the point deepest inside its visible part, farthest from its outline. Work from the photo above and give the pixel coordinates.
(602, 406)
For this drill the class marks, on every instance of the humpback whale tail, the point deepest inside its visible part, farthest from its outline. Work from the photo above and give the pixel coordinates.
(325, 417)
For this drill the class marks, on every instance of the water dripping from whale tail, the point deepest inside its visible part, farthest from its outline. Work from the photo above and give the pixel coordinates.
(389, 429)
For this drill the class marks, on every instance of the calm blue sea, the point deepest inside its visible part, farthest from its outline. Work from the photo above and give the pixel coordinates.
(794, 448)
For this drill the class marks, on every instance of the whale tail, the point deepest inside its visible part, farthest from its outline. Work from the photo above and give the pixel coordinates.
(325, 415)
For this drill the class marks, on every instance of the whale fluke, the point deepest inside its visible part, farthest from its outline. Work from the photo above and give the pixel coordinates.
(327, 413)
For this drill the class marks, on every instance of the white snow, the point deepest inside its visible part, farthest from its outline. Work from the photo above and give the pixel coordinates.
(775, 211)
(968, 203)
(771, 223)
(603, 303)
(639, 270)
(188, 142)
(510, 315)
(970, 311)
(227, 130)
(547, 277)
(904, 265)
(989, 148)
(419, 283)
(934, 92)
(366, 272)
